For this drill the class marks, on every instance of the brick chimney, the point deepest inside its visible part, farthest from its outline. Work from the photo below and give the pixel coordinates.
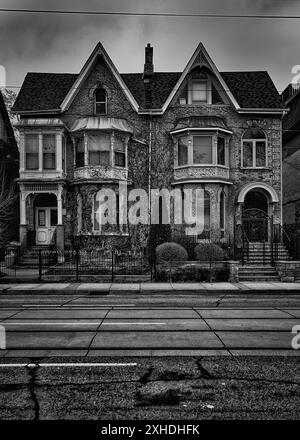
(148, 66)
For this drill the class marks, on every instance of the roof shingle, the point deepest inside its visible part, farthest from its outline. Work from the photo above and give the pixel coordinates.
(46, 91)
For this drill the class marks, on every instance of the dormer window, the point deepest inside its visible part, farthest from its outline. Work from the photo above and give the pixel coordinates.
(100, 102)
(199, 92)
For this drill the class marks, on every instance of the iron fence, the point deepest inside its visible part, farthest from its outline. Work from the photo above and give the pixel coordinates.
(105, 264)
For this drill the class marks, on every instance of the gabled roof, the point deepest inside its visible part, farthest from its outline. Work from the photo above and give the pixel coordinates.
(55, 91)
(43, 91)
(201, 58)
(99, 51)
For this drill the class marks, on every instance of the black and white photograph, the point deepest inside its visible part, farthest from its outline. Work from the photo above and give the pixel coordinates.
(149, 218)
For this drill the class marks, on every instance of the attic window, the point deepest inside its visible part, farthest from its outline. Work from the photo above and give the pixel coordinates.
(198, 91)
(100, 102)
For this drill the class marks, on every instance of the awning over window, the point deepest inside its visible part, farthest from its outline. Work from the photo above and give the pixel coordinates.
(101, 123)
(201, 123)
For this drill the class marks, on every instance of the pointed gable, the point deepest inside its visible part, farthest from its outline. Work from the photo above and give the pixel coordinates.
(201, 59)
(99, 51)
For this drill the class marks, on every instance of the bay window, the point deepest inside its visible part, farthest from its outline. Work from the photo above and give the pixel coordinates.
(99, 149)
(183, 151)
(107, 149)
(119, 152)
(32, 151)
(49, 152)
(221, 151)
(254, 149)
(202, 150)
(79, 147)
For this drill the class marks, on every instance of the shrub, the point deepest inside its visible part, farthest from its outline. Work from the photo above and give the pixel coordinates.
(188, 243)
(209, 252)
(171, 252)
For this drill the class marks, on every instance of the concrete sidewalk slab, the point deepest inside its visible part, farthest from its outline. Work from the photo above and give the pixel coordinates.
(49, 340)
(151, 314)
(252, 324)
(264, 340)
(235, 313)
(62, 314)
(172, 340)
(294, 312)
(153, 325)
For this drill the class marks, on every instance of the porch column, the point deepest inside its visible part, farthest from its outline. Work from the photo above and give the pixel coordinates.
(23, 228)
(59, 205)
(60, 241)
(23, 208)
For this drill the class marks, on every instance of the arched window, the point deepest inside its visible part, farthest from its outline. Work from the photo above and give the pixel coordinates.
(100, 102)
(222, 213)
(254, 148)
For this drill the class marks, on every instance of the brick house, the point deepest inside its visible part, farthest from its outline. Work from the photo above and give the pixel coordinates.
(200, 128)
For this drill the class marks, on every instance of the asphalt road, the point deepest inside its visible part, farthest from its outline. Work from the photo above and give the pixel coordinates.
(143, 325)
(190, 388)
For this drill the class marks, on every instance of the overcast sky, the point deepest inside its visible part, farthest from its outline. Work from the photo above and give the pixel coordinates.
(62, 43)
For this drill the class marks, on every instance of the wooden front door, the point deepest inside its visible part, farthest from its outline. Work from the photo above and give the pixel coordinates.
(45, 224)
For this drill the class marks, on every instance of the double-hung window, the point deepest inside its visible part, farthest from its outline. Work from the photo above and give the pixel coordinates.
(100, 102)
(49, 151)
(198, 92)
(32, 152)
(202, 150)
(254, 149)
(119, 152)
(99, 147)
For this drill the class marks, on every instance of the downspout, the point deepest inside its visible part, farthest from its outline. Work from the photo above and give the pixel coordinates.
(149, 166)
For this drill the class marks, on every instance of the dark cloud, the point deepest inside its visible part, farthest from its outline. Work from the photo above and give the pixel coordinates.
(62, 43)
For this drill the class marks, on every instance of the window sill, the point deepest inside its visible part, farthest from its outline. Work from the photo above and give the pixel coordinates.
(256, 168)
(179, 167)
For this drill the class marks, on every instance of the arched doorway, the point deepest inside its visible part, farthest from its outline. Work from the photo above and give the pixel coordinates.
(255, 218)
(45, 218)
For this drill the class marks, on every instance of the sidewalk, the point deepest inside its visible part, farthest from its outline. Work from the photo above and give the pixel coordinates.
(151, 288)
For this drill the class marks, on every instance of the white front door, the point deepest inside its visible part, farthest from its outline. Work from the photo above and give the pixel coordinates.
(45, 224)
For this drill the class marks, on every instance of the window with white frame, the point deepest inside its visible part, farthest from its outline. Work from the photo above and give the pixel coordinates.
(254, 149)
(119, 152)
(100, 102)
(99, 149)
(183, 151)
(201, 150)
(32, 152)
(103, 149)
(49, 151)
(199, 91)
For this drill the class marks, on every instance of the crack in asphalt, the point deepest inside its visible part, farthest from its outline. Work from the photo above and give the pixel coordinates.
(32, 371)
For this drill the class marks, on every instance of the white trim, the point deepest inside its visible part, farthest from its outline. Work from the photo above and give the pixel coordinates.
(99, 50)
(181, 182)
(268, 111)
(181, 130)
(200, 49)
(245, 189)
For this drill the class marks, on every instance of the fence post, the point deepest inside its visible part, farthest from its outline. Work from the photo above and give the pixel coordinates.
(40, 265)
(77, 264)
(112, 265)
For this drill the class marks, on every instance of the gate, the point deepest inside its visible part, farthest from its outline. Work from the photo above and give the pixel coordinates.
(255, 224)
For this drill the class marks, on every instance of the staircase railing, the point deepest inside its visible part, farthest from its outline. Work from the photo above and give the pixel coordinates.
(245, 247)
(279, 235)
